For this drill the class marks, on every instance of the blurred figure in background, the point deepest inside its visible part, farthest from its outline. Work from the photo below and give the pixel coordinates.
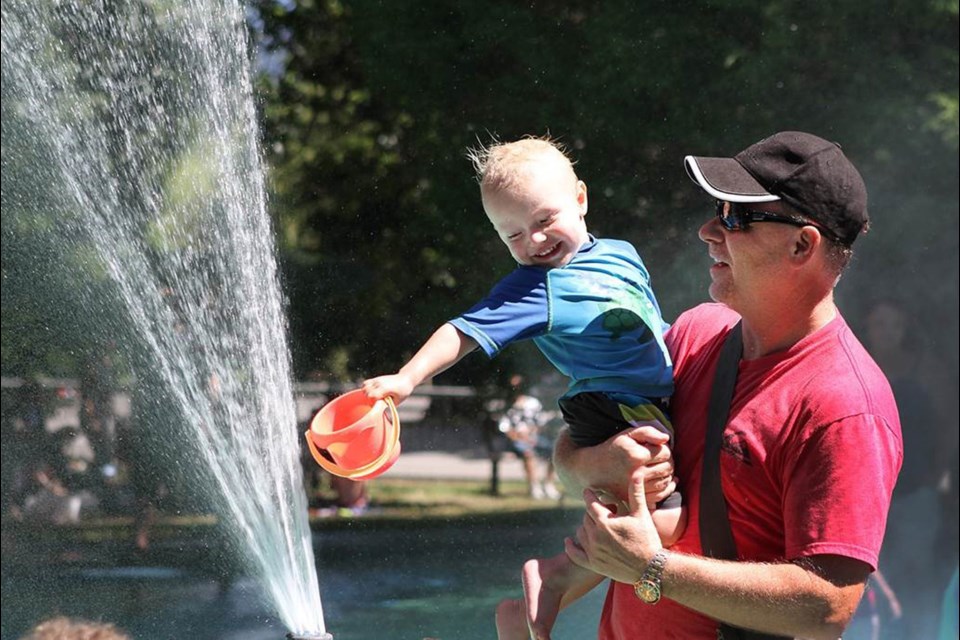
(879, 612)
(909, 557)
(350, 497)
(27, 445)
(949, 623)
(139, 450)
(946, 548)
(524, 424)
(97, 385)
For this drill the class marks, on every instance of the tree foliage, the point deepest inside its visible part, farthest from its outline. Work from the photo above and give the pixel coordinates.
(373, 105)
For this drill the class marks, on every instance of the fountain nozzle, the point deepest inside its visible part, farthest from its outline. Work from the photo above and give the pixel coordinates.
(309, 636)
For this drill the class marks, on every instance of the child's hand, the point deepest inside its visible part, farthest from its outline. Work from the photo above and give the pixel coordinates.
(397, 386)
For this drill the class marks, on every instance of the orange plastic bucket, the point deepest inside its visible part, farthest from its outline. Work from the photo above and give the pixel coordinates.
(353, 436)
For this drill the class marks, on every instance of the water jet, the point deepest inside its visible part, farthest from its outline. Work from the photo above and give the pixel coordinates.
(130, 146)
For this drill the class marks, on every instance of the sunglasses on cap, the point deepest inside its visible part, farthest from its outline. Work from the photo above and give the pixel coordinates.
(736, 216)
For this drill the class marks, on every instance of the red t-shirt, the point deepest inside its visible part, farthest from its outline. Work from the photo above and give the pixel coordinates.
(810, 455)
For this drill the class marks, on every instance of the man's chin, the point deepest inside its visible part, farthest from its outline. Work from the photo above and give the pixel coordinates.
(719, 294)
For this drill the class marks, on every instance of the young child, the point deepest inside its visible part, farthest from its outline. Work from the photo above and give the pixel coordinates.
(587, 304)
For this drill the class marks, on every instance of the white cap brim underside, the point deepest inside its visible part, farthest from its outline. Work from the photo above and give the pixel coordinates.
(693, 170)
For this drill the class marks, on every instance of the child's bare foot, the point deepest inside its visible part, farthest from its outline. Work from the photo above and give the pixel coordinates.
(512, 621)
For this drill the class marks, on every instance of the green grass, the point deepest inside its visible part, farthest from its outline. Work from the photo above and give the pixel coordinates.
(393, 502)
(418, 499)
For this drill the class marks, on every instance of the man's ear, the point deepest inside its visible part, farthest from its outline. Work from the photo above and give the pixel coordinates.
(805, 243)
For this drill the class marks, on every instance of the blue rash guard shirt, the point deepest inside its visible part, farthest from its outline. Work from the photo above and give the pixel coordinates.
(596, 319)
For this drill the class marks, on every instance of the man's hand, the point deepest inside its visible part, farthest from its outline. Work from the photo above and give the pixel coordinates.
(659, 481)
(609, 465)
(398, 386)
(617, 545)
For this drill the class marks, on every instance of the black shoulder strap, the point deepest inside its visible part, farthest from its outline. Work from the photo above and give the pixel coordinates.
(716, 538)
(715, 535)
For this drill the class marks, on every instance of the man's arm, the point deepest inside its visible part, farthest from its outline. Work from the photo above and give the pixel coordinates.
(812, 598)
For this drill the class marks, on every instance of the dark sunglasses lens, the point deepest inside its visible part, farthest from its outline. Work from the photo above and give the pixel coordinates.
(727, 212)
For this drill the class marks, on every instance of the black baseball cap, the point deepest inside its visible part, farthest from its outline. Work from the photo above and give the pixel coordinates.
(808, 173)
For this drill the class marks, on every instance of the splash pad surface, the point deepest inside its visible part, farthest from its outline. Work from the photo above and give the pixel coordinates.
(402, 579)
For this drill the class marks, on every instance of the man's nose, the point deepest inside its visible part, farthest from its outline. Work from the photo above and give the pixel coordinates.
(711, 231)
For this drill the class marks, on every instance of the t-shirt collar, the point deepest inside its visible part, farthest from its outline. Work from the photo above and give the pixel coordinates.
(589, 244)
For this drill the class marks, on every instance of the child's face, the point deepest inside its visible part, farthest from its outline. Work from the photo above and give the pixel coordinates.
(541, 219)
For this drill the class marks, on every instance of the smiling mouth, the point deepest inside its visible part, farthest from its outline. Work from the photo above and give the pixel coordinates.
(546, 253)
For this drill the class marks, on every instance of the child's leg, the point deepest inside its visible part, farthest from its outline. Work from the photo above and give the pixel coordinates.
(512, 621)
(670, 521)
(550, 585)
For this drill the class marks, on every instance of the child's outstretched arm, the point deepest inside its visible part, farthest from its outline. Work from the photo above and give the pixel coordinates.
(441, 351)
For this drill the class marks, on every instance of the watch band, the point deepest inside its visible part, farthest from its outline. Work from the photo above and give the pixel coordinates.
(648, 587)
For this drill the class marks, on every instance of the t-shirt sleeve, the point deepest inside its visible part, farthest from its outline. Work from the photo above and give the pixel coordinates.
(838, 488)
(516, 309)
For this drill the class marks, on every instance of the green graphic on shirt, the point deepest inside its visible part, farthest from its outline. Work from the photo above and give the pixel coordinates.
(626, 312)
(619, 321)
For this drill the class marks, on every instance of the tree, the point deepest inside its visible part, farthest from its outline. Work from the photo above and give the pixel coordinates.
(377, 102)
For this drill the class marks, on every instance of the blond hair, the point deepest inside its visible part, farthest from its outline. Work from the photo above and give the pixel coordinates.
(501, 165)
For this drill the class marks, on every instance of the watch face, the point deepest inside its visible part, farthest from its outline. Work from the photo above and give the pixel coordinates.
(648, 591)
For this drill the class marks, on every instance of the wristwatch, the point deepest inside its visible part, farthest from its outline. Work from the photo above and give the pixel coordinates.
(647, 587)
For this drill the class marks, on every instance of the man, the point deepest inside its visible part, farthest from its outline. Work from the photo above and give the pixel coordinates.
(812, 446)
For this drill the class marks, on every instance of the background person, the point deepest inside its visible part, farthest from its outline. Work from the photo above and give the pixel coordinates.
(350, 497)
(910, 556)
(523, 423)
